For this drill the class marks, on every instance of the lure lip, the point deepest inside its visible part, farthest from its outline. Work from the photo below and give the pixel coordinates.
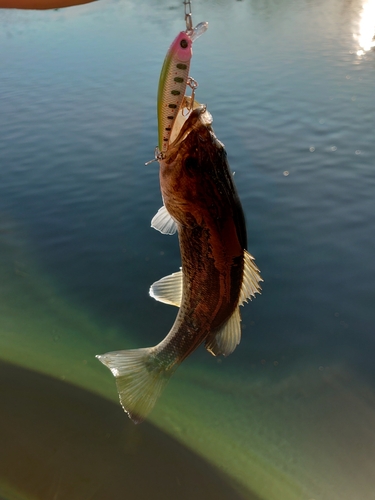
(198, 31)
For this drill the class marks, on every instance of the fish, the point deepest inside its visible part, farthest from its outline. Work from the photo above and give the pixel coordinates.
(217, 276)
(174, 77)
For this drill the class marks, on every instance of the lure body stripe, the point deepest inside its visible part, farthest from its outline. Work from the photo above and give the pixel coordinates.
(172, 86)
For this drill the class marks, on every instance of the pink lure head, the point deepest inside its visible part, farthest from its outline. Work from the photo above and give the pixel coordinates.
(181, 47)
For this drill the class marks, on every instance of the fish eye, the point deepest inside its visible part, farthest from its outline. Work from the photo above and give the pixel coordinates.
(183, 43)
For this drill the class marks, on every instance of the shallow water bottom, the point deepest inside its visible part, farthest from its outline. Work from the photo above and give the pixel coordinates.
(61, 442)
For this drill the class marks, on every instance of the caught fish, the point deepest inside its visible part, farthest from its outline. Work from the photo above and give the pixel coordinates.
(218, 274)
(174, 78)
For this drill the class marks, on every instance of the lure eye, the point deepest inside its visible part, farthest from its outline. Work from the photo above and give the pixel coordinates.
(183, 43)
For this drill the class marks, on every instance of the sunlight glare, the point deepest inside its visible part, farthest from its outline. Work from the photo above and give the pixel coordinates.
(366, 35)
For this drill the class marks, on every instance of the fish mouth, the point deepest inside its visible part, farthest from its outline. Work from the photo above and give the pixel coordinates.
(190, 115)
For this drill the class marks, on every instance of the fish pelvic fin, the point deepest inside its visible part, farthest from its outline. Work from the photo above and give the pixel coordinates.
(251, 279)
(227, 338)
(140, 379)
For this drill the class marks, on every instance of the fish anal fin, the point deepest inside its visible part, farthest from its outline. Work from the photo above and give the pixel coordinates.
(139, 379)
(251, 279)
(163, 221)
(168, 289)
(227, 338)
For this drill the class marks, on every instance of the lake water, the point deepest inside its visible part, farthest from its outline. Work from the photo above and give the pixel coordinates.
(290, 84)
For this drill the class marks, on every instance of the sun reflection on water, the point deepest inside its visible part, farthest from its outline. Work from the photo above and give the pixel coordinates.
(366, 32)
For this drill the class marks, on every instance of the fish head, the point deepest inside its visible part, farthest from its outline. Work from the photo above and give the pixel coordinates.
(186, 166)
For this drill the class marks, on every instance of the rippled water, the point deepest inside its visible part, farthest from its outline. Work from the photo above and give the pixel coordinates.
(289, 83)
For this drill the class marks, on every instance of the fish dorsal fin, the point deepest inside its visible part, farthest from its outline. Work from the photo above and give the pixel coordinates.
(168, 289)
(227, 338)
(164, 222)
(251, 279)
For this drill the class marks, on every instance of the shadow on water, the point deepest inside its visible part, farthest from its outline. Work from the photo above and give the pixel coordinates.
(61, 442)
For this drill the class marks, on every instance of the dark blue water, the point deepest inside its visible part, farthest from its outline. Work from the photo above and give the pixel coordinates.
(290, 87)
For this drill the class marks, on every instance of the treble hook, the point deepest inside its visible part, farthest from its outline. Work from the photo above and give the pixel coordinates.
(193, 84)
(158, 156)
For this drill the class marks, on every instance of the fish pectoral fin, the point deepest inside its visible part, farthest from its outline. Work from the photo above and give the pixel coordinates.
(168, 289)
(227, 338)
(251, 279)
(139, 379)
(164, 222)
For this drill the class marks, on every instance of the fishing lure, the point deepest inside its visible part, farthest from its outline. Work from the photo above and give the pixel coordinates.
(174, 78)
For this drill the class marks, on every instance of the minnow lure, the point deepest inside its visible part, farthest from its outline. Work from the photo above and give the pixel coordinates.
(174, 78)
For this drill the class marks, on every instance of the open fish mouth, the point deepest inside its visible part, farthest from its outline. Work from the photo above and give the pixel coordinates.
(188, 105)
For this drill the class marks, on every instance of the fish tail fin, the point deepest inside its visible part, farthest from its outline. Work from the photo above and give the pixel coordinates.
(140, 379)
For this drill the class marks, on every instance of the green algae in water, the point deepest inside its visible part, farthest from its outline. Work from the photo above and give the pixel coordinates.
(284, 439)
(52, 337)
(41, 331)
(287, 433)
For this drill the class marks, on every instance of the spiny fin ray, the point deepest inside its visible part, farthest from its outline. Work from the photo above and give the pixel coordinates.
(251, 279)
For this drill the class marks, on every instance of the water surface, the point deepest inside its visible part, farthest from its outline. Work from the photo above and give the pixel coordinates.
(290, 414)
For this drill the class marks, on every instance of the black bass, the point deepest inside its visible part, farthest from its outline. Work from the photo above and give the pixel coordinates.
(217, 275)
